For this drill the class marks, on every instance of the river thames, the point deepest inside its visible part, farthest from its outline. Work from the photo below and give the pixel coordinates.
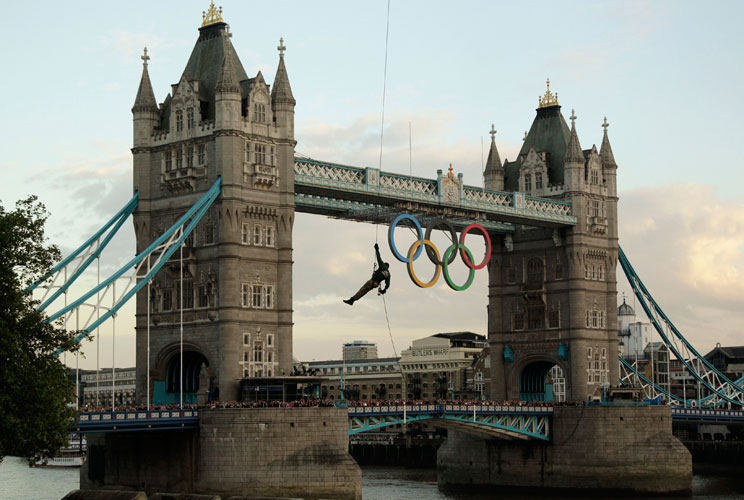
(18, 481)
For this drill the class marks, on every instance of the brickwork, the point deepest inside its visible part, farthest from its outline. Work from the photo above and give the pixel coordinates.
(628, 449)
(287, 452)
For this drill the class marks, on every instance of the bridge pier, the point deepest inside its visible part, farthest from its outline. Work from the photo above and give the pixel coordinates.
(260, 452)
(619, 448)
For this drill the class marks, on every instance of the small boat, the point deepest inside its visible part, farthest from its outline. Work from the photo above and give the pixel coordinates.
(73, 455)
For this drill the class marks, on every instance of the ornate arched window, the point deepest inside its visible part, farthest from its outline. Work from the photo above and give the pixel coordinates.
(527, 183)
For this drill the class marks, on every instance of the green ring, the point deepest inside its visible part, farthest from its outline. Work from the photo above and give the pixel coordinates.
(453, 248)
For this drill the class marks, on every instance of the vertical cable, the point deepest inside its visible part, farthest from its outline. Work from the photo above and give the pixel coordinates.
(113, 348)
(180, 384)
(148, 337)
(77, 362)
(98, 334)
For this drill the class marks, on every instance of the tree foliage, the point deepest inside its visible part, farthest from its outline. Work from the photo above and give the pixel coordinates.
(34, 411)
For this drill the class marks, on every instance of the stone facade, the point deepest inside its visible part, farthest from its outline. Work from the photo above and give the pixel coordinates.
(257, 452)
(619, 449)
(552, 292)
(237, 263)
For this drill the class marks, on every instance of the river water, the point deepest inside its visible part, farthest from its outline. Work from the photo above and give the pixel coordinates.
(19, 482)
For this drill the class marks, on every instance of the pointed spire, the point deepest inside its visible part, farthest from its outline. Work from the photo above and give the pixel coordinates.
(145, 100)
(605, 151)
(227, 81)
(573, 150)
(281, 90)
(493, 162)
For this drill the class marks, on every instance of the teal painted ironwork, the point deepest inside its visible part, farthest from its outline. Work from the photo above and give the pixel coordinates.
(526, 422)
(727, 390)
(116, 221)
(186, 224)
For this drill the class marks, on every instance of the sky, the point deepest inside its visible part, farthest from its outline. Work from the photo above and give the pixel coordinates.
(666, 74)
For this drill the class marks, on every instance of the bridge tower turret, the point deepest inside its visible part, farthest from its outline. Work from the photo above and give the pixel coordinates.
(493, 175)
(237, 273)
(552, 291)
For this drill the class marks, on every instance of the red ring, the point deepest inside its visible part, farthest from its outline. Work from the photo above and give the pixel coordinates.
(464, 256)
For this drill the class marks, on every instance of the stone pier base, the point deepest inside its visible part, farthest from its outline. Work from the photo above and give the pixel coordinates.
(261, 452)
(619, 448)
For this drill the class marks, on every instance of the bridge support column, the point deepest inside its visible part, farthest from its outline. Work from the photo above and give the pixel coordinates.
(256, 452)
(623, 449)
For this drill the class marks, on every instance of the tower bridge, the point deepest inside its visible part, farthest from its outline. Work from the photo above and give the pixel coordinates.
(216, 177)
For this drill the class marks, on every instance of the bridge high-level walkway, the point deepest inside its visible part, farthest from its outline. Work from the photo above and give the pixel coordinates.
(370, 195)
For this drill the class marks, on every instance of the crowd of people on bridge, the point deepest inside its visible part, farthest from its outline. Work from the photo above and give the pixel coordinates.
(310, 403)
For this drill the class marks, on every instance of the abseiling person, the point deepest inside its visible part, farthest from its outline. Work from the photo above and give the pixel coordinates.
(382, 273)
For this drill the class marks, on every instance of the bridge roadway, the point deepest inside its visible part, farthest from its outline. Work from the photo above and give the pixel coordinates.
(370, 195)
(488, 421)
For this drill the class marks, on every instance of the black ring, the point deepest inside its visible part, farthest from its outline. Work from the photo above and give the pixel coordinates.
(436, 223)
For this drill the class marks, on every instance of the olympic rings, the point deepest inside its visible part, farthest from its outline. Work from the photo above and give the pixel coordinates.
(412, 274)
(442, 263)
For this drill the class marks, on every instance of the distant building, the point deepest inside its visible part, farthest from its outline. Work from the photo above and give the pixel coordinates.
(633, 335)
(359, 349)
(97, 390)
(729, 360)
(435, 367)
(478, 375)
(362, 379)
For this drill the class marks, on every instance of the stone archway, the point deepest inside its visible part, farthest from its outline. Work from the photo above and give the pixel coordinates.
(533, 379)
(196, 375)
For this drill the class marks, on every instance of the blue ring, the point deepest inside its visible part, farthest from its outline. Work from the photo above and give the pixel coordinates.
(391, 243)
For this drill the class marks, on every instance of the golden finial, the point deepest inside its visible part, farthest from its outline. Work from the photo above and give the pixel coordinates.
(450, 174)
(212, 16)
(549, 99)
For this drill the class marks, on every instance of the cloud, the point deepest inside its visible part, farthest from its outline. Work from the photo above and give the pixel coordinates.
(687, 245)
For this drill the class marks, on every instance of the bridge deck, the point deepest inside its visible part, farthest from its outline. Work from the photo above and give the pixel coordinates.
(369, 195)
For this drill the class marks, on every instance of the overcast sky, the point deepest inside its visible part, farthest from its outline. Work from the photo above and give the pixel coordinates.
(666, 74)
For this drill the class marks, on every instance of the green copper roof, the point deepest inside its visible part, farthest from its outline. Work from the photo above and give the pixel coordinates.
(549, 133)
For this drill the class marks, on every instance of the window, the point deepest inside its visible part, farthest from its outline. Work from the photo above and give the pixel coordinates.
(259, 112)
(209, 234)
(246, 339)
(595, 208)
(269, 357)
(179, 120)
(190, 157)
(535, 271)
(600, 273)
(168, 161)
(554, 318)
(203, 297)
(518, 321)
(269, 302)
(595, 176)
(269, 236)
(244, 293)
(246, 373)
(257, 351)
(247, 152)
(190, 118)
(245, 236)
(260, 153)
(257, 293)
(273, 156)
(538, 181)
(527, 183)
(536, 317)
(558, 269)
(246, 357)
(202, 154)
(604, 353)
(511, 274)
(257, 234)
(589, 352)
(188, 294)
(179, 159)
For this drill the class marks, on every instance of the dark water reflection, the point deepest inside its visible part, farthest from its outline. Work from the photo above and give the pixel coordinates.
(395, 483)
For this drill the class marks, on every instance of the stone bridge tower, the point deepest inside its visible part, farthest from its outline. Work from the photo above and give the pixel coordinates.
(237, 264)
(552, 292)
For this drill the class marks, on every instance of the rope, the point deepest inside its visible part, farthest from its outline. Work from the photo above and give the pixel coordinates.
(384, 88)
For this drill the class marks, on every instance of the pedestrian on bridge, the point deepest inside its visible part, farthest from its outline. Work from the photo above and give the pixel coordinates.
(382, 273)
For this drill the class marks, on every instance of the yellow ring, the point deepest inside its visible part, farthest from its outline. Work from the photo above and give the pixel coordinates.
(411, 272)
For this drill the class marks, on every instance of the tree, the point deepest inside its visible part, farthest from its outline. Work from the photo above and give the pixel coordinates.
(34, 411)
